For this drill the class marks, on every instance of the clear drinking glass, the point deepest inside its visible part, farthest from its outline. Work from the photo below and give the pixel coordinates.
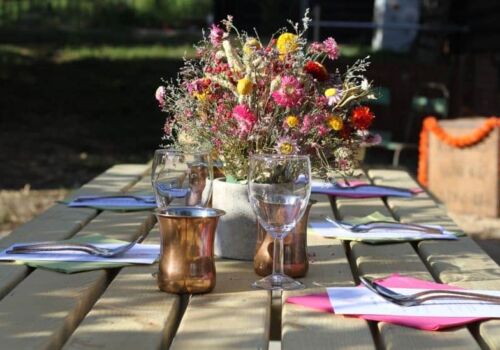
(279, 187)
(182, 178)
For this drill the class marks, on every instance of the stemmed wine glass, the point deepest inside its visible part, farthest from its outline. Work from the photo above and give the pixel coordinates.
(182, 177)
(279, 187)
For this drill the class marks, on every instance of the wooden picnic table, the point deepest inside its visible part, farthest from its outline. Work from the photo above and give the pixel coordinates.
(123, 308)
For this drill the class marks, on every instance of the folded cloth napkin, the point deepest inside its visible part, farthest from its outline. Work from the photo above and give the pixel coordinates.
(79, 266)
(321, 302)
(361, 189)
(117, 203)
(378, 236)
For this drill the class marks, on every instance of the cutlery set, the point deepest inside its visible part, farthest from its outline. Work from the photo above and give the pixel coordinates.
(373, 225)
(419, 298)
(81, 247)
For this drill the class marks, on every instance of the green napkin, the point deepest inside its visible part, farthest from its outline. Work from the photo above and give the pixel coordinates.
(78, 266)
(377, 216)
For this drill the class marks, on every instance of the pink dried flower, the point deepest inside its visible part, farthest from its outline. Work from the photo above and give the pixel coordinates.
(331, 48)
(160, 95)
(323, 130)
(168, 127)
(290, 92)
(316, 47)
(198, 87)
(216, 35)
(245, 118)
(307, 124)
(321, 100)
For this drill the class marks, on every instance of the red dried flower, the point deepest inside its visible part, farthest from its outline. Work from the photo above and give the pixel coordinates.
(317, 70)
(362, 117)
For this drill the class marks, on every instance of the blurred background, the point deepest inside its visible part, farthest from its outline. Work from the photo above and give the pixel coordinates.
(77, 77)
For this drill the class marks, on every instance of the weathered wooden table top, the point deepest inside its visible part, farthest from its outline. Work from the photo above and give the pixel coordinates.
(123, 308)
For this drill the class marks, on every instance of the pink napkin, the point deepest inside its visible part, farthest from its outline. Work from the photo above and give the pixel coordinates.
(322, 302)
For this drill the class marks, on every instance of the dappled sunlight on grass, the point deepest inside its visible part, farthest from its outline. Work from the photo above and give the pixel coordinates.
(108, 52)
(113, 52)
(24, 51)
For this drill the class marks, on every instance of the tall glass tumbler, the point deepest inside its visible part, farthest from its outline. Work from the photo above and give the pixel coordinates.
(182, 178)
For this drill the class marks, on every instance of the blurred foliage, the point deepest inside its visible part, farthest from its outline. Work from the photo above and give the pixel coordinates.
(105, 13)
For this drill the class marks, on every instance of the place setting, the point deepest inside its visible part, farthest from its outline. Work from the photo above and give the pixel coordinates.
(82, 253)
(377, 228)
(406, 301)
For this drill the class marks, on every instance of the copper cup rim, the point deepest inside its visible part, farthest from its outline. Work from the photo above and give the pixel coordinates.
(189, 212)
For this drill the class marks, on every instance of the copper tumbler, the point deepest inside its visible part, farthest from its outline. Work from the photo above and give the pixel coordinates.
(295, 260)
(187, 249)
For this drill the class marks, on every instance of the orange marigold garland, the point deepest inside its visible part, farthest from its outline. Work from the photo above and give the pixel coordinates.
(431, 124)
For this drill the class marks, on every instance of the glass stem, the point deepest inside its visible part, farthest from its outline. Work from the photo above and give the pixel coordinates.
(278, 257)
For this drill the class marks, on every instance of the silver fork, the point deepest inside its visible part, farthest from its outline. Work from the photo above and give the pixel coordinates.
(421, 297)
(82, 247)
(372, 225)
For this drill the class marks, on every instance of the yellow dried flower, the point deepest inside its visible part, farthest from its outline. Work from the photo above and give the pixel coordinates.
(251, 45)
(292, 121)
(244, 86)
(286, 148)
(335, 122)
(201, 96)
(331, 92)
(287, 42)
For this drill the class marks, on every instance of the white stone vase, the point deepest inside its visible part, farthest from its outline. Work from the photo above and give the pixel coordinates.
(236, 234)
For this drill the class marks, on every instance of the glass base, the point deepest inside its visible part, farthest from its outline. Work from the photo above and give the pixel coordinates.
(278, 282)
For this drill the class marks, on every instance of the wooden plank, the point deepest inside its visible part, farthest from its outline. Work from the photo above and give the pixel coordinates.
(382, 260)
(132, 311)
(303, 328)
(44, 309)
(461, 263)
(233, 316)
(60, 222)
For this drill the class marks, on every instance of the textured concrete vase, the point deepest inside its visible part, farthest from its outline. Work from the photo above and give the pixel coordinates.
(237, 230)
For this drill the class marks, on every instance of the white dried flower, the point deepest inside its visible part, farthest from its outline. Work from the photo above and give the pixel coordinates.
(275, 83)
(365, 85)
(232, 58)
(220, 55)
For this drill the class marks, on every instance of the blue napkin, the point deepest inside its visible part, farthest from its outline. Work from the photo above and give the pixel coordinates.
(361, 190)
(118, 202)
